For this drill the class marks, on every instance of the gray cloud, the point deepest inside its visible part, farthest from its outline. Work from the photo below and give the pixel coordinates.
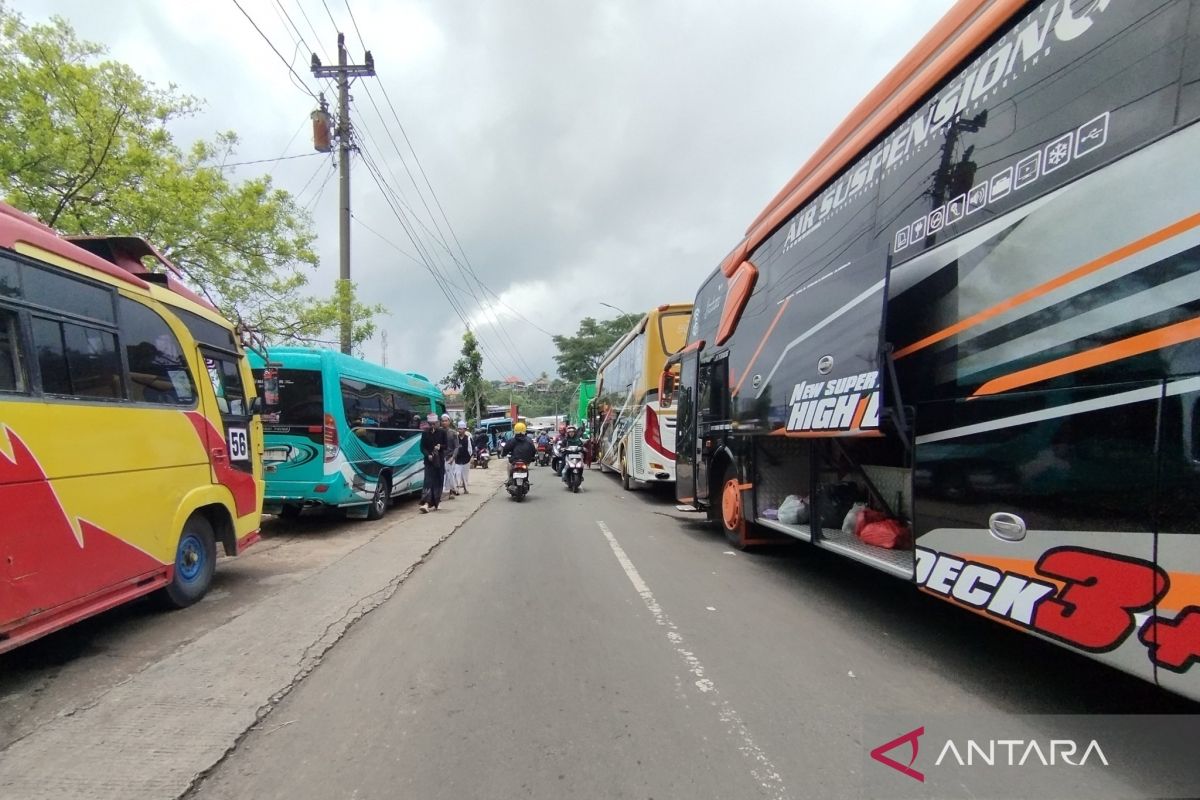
(584, 152)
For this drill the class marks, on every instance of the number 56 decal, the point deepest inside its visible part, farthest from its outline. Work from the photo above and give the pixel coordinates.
(239, 447)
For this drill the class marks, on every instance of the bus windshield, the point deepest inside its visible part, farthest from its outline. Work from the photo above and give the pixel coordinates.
(672, 330)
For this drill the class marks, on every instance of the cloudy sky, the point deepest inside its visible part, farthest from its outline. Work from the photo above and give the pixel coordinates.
(584, 152)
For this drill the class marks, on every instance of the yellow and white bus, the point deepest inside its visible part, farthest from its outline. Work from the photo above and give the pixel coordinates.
(129, 441)
(634, 435)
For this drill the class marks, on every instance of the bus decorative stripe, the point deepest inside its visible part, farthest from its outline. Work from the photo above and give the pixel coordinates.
(240, 484)
(761, 343)
(1108, 401)
(1138, 303)
(816, 329)
(1095, 265)
(48, 548)
(1148, 342)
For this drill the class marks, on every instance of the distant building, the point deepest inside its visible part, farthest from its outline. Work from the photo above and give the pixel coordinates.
(542, 384)
(513, 382)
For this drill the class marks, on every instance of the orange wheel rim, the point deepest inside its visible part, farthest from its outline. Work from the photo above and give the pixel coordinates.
(731, 505)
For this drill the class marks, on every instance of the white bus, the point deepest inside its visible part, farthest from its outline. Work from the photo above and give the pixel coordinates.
(633, 434)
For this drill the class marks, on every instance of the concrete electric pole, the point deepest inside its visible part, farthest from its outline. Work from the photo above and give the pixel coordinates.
(342, 73)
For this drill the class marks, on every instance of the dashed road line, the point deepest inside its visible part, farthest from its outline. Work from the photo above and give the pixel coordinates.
(761, 768)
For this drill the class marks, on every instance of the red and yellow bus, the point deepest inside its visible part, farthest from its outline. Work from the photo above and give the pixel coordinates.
(129, 441)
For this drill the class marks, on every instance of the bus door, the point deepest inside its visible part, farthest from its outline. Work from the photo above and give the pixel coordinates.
(233, 407)
(686, 444)
(712, 416)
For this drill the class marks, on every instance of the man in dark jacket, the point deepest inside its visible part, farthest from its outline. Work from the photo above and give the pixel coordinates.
(518, 448)
(435, 464)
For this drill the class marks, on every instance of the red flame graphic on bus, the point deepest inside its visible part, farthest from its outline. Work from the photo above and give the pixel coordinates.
(48, 557)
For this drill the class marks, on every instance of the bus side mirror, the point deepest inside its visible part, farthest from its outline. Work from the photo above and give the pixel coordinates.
(256, 406)
(666, 386)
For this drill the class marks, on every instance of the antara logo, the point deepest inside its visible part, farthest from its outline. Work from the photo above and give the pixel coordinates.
(989, 752)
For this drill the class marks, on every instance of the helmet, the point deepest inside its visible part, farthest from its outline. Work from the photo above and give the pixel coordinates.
(519, 427)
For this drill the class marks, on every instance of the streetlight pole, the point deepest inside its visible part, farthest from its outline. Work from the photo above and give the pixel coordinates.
(620, 311)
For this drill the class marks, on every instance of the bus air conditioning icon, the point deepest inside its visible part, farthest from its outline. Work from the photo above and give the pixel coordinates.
(825, 365)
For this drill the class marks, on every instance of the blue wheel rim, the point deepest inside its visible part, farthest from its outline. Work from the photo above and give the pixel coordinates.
(190, 560)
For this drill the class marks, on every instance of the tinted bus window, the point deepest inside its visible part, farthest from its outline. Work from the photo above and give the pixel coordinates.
(206, 332)
(227, 384)
(61, 293)
(10, 280)
(52, 358)
(75, 360)
(300, 399)
(158, 372)
(92, 363)
(12, 367)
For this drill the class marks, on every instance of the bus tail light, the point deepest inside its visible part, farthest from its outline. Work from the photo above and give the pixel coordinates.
(331, 438)
(654, 434)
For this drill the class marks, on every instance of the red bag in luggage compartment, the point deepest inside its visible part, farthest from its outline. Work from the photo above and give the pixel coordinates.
(888, 533)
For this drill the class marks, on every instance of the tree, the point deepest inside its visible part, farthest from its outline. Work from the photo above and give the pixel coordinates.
(85, 147)
(579, 355)
(467, 375)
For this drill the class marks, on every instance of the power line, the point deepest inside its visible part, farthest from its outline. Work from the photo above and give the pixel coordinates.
(439, 279)
(274, 49)
(266, 160)
(506, 341)
(468, 266)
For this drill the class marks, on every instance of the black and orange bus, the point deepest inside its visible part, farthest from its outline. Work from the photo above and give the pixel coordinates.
(975, 311)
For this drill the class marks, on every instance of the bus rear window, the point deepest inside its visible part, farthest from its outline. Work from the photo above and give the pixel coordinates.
(300, 399)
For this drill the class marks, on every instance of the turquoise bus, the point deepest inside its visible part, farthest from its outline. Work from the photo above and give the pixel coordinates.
(340, 432)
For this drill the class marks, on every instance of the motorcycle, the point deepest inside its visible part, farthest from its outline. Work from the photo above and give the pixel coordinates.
(556, 461)
(519, 486)
(481, 457)
(543, 455)
(573, 468)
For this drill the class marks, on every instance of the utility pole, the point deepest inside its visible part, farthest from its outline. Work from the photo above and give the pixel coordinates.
(342, 73)
(383, 335)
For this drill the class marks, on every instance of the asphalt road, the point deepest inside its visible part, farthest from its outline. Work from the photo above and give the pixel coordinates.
(602, 645)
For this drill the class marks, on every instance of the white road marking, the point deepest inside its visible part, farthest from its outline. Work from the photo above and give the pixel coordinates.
(761, 768)
(709, 608)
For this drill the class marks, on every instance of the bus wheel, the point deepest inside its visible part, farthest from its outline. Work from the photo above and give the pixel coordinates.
(732, 519)
(291, 511)
(626, 482)
(379, 501)
(195, 562)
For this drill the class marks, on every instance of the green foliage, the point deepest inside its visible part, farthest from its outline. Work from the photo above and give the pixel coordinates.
(579, 355)
(85, 147)
(467, 375)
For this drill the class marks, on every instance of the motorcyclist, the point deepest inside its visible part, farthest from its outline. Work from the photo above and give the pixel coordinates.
(570, 439)
(518, 448)
(481, 441)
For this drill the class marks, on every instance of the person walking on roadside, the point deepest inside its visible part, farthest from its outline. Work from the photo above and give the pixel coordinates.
(435, 464)
(462, 458)
(449, 444)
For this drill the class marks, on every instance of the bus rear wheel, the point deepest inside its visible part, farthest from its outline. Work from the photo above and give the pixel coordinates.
(626, 481)
(195, 562)
(379, 501)
(733, 520)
